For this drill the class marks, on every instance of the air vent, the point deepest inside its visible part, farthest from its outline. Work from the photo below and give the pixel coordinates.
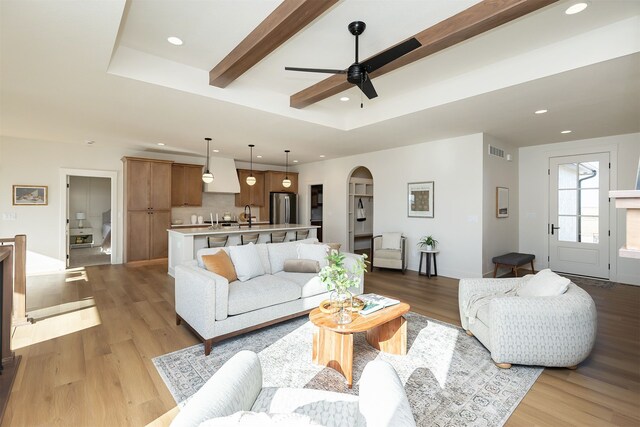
(495, 151)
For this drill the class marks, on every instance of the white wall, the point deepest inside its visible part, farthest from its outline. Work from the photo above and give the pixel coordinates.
(499, 235)
(91, 196)
(534, 204)
(455, 165)
(40, 163)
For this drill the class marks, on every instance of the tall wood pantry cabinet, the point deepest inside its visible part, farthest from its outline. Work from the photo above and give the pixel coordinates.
(147, 206)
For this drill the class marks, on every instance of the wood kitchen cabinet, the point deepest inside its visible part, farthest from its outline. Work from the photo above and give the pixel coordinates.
(253, 195)
(274, 181)
(147, 205)
(186, 185)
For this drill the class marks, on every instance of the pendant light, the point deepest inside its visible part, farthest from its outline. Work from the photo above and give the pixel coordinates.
(207, 176)
(286, 182)
(251, 180)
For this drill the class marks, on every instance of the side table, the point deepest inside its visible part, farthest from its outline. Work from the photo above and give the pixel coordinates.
(429, 253)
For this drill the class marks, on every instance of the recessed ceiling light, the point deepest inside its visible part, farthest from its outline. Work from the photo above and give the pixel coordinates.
(259, 157)
(576, 8)
(90, 142)
(295, 161)
(160, 143)
(566, 131)
(215, 150)
(321, 155)
(344, 98)
(174, 41)
(541, 111)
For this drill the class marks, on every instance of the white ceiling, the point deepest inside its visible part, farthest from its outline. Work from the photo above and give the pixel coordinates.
(73, 71)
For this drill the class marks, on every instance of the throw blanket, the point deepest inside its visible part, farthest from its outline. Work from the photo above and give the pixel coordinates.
(475, 302)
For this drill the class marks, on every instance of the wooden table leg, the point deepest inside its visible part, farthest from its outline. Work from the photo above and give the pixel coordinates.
(420, 264)
(390, 337)
(495, 270)
(334, 350)
(435, 266)
(429, 266)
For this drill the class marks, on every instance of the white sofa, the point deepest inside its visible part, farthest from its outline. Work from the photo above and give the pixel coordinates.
(216, 309)
(554, 331)
(237, 387)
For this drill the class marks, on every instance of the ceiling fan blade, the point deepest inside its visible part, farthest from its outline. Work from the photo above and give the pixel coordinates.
(391, 54)
(316, 70)
(367, 87)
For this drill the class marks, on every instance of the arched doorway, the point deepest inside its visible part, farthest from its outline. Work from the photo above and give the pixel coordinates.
(360, 211)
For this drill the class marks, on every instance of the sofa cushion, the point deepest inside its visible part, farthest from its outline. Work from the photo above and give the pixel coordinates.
(332, 246)
(314, 252)
(301, 266)
(309, 283)
(221, 264)
(208, 251)
(279, 253)
(388, 254)
(261, 291)
(247, 262)
(545, 283)
(391, 240)
(264, 257)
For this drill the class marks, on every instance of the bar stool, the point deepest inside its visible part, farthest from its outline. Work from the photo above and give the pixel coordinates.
(278, 236)
(245, 239)
(302, 234)
(217, 241)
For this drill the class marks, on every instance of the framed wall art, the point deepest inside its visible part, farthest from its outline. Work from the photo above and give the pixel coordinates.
(420, 199)
(30, 195)
(502, 202)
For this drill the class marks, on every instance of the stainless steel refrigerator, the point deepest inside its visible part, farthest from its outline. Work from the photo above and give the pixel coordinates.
(283, 208)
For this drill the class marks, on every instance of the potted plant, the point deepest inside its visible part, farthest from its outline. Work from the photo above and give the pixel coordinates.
(338, 280)
(428, 242)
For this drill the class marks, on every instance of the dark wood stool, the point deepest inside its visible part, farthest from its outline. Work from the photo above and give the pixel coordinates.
(431, 253)
(513, 260)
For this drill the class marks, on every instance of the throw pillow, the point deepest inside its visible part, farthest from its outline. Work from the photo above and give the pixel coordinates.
(221, 264)
(247, 262)
(314, 252)
(261, 419)
(279, 252)
(332, 246)
(301, 266)
(545, 283)
(391, 240)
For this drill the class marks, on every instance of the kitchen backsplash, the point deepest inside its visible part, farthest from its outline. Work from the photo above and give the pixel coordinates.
(212, 203)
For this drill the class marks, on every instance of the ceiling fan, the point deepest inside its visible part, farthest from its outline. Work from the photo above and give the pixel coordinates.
(358, 73)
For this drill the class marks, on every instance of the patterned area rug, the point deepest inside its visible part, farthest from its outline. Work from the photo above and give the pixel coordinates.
(449, 377)
(589, 281)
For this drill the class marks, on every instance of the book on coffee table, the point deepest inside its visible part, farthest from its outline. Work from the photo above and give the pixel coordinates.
(375, 302)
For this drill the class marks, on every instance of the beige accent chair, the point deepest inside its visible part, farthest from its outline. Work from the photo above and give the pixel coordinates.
(385, 256)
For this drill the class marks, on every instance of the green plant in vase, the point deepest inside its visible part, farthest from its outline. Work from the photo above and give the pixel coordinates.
(428, 242)
(338, 279)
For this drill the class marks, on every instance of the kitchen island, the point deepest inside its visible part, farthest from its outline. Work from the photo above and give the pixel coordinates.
(185, 242)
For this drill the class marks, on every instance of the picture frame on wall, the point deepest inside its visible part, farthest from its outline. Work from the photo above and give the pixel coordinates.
(30, 195)
(502, 202)
(420, 199)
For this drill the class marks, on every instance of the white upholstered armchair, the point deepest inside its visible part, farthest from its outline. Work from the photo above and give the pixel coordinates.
(557, 331)
(388, 250)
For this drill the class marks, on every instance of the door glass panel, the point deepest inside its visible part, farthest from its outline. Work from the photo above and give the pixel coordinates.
(568, 231)
(589, 202)
(589, 175)
(589, 229)
(568, 175)
(567, 202)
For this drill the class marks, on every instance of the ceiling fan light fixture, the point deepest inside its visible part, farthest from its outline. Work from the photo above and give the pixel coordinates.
(576, 8)
(207, 177)
(176, 41)
(286, 182)
(251, 180)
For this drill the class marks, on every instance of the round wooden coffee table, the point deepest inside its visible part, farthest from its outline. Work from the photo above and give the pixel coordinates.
(333, 344)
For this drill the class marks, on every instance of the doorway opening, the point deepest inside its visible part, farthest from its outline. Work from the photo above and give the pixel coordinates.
(316, 208)
(89, 206)
(360, 208)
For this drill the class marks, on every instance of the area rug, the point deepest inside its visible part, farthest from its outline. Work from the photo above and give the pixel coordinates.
(449, 377)
(590, 281)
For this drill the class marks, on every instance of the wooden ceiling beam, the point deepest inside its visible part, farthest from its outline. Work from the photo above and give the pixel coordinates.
(286, 20)
(477, 19)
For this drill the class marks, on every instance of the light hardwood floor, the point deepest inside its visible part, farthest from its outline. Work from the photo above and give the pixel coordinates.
(87, 361)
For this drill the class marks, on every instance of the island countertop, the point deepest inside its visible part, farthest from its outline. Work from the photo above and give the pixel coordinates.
(263, 228)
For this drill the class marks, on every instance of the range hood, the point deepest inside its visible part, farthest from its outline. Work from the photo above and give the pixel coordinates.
(225, 177)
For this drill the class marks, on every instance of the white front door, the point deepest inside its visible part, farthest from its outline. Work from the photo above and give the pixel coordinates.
(579, 214)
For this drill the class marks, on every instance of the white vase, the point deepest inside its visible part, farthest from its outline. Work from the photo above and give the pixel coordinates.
(200, 219)
(194, 219)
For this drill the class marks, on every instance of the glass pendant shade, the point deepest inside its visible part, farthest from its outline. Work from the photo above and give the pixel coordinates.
(207, 177)
(286, 182)
(251, 180)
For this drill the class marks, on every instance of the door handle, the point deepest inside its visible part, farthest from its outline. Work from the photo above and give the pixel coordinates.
(553, 228)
